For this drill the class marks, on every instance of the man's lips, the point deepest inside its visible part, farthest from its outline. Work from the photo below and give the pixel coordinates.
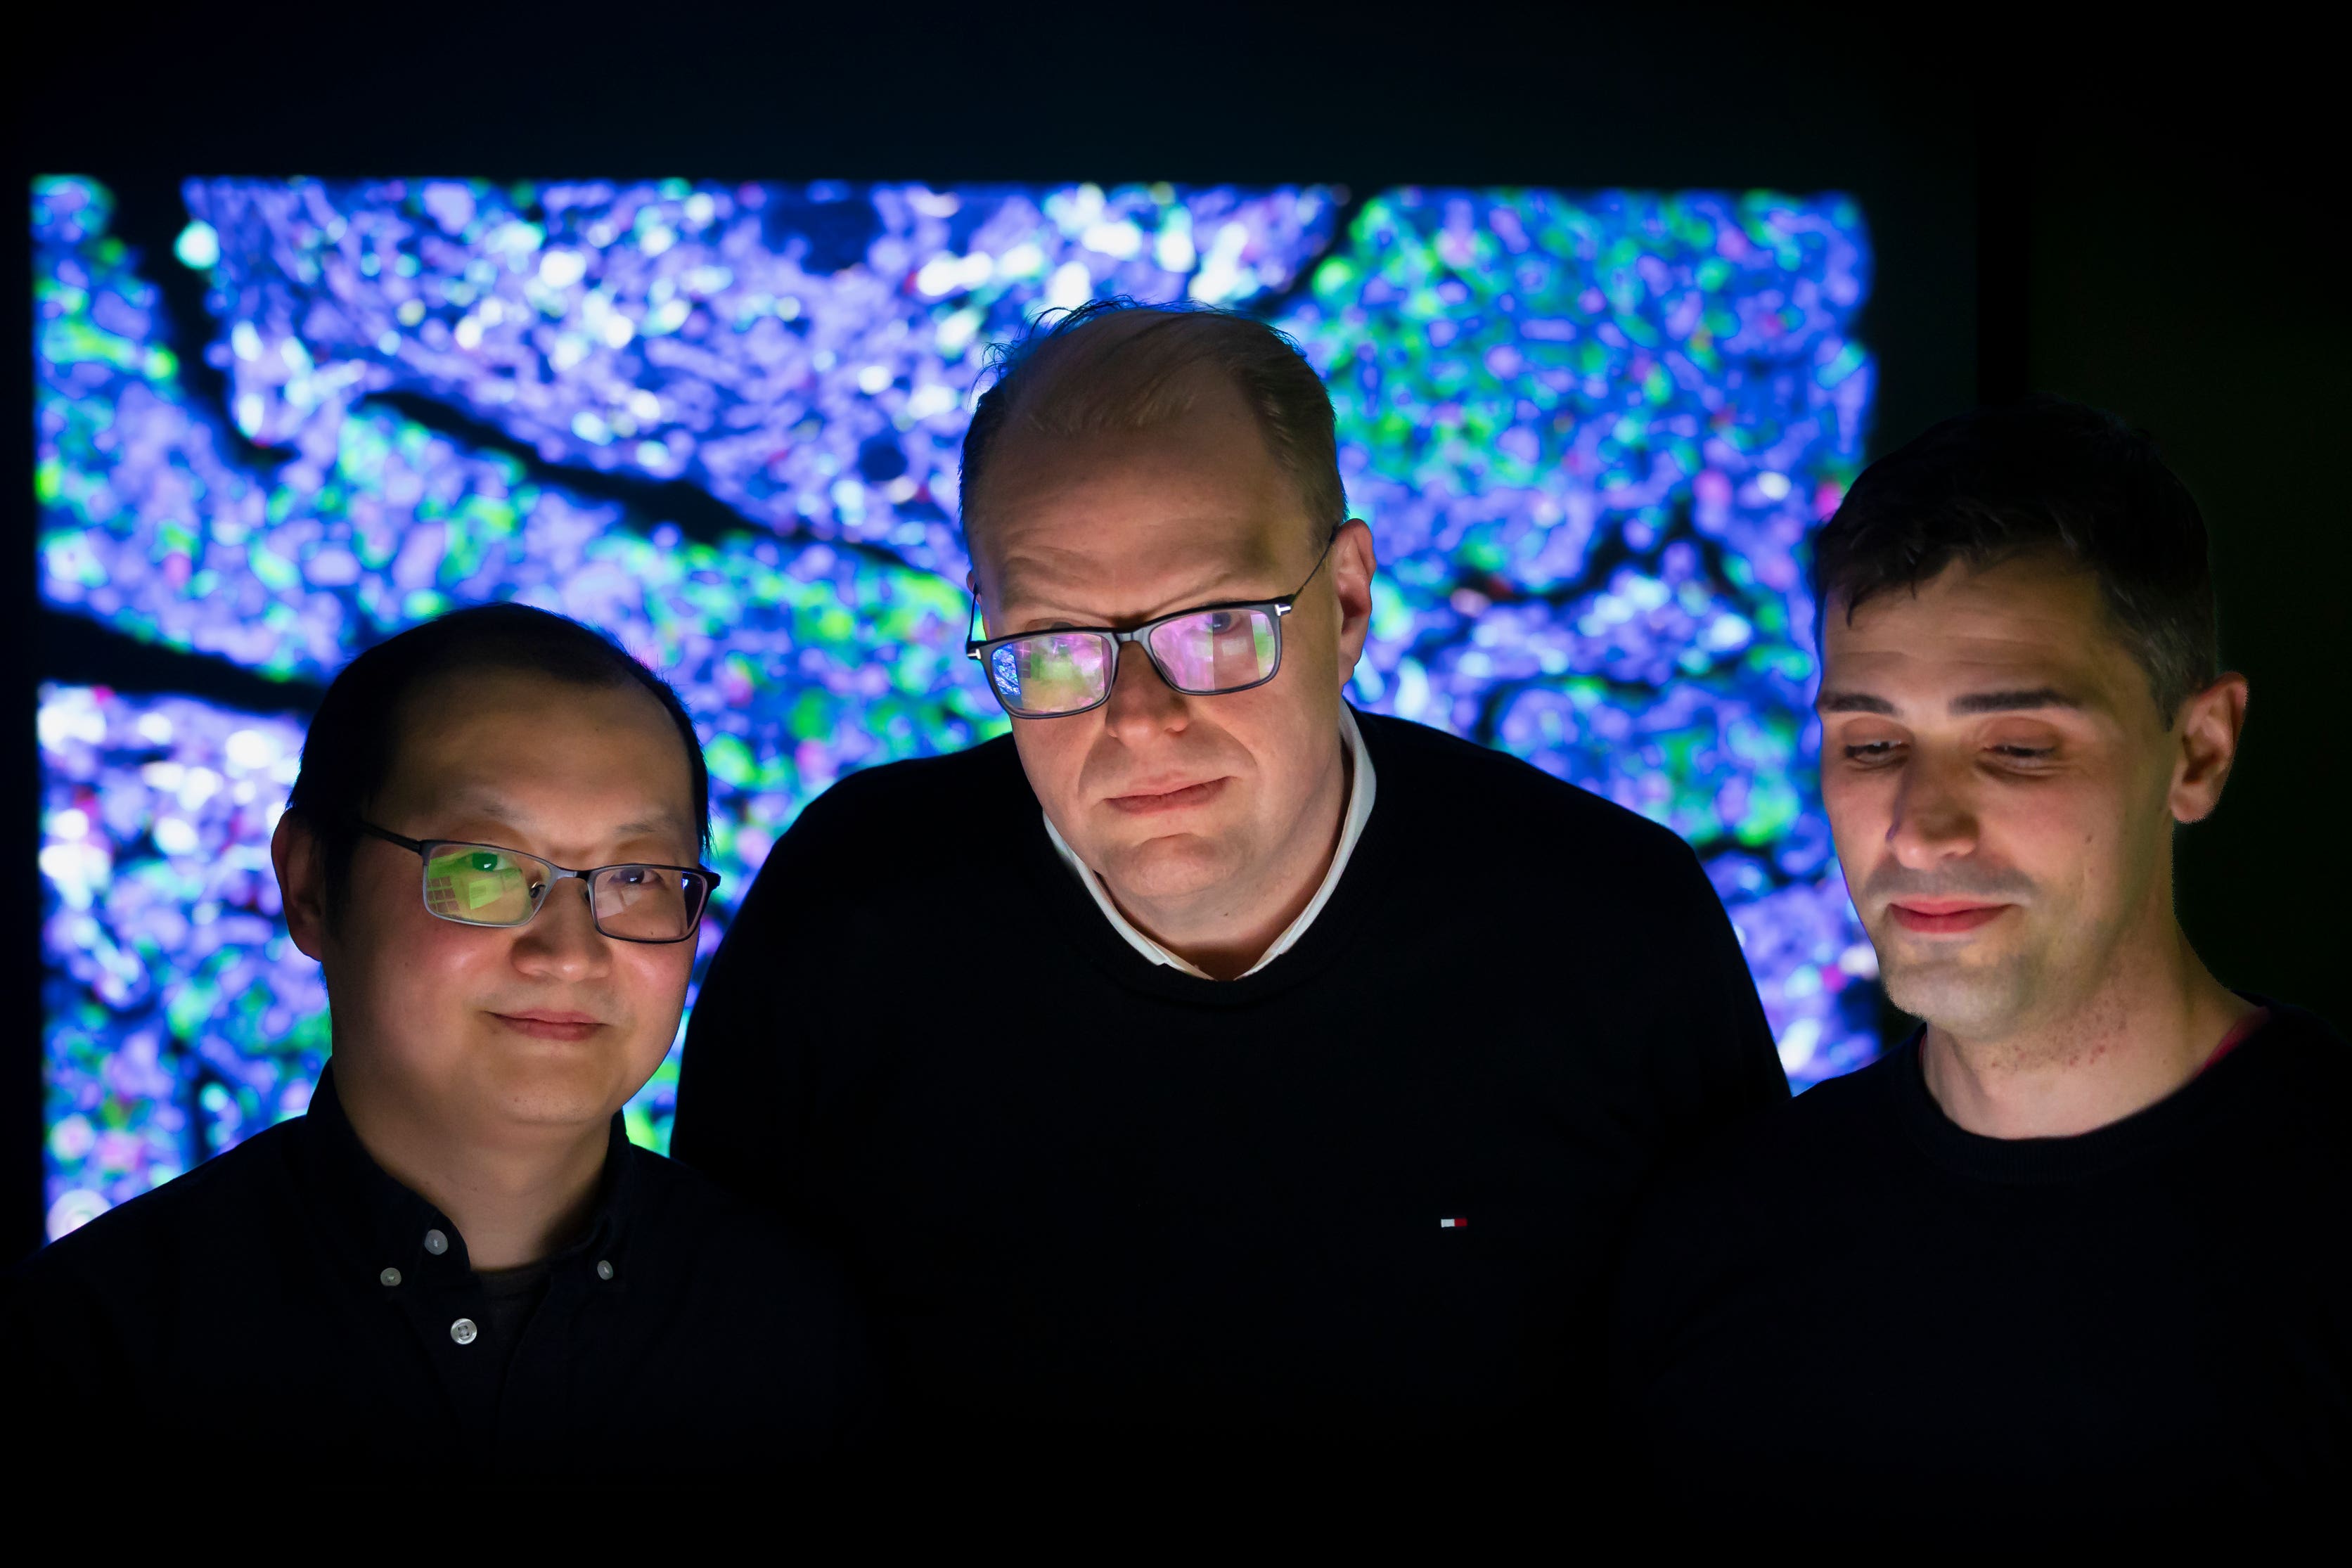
(550, 1023)
(1167, 797)
(1945, 917)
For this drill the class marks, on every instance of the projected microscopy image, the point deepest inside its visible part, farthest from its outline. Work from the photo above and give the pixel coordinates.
(1590, 432)
(188, 1018)
(802, 355)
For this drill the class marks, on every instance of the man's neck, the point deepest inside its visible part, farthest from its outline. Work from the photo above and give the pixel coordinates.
(515, 1199)
(2139, 1036)
(1224, 933)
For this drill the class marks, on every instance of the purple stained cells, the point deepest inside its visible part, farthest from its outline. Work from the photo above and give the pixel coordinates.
(1591, 432)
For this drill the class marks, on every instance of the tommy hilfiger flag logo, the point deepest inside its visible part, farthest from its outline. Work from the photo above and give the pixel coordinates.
(1453, 1225)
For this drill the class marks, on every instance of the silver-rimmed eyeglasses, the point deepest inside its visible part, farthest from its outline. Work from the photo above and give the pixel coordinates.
(485, 885)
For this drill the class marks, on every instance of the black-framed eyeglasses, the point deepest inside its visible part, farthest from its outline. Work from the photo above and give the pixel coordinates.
(485, 885)
(1207, 651)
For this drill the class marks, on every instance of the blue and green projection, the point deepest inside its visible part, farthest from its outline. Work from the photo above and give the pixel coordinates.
(1590, 431)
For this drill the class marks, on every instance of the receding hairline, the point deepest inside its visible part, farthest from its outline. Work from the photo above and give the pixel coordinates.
(1133, 369)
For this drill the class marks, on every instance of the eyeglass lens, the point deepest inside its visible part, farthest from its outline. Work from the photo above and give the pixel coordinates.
(481, 885)
(1216, 650)
(1201, 654)
(1053, 672)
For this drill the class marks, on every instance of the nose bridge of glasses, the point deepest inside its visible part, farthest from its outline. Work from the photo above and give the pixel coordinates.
(1154, 663)
(557, 875)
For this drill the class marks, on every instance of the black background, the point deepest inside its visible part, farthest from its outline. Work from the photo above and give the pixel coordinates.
(2107, 209)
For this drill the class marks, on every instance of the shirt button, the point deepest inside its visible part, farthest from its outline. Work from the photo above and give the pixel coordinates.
(390, 1277)
(463, 1330)
(436, 1243)
(604, 1268)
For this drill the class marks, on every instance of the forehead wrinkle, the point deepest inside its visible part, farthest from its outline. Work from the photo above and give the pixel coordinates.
(489, 801)
(1037, 578)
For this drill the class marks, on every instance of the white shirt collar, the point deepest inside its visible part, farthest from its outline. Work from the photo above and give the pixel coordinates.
(1361, 789)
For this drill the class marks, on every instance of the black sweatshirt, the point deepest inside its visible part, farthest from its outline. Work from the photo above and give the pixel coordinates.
(1858, 1313)
(1097, 1198)
(289, 1304)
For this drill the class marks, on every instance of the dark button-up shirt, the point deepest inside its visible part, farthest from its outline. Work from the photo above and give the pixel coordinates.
(291, 1292)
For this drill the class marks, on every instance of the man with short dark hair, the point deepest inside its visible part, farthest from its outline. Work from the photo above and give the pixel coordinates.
(455, 1262)
(2074, 1252)
(1210, 1073)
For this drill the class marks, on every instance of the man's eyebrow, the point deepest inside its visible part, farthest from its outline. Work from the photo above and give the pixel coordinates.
(1853, 702)
(2013, 702)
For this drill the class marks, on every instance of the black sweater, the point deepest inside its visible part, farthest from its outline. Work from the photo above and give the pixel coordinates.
(1095, 1197)
(1857, 1313)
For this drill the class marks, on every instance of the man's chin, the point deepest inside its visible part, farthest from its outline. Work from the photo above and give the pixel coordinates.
(550, 1084)
(1966, 999)
(556, 1106)
(1170, 870)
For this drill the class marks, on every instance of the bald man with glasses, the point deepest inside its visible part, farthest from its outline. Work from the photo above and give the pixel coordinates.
(1209, 1074)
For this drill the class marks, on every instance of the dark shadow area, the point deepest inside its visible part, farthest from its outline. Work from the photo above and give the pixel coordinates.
(2182, 270)
(77, 651)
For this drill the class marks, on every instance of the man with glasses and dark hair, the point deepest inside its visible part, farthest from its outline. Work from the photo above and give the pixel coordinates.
(1209, 1072)
(456, 1261)
(2072, 1255)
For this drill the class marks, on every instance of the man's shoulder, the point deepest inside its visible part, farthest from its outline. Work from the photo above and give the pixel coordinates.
(2295, 1074)
(1819, 1143)
(1737, 1207)
(695, 1216)
(908, 813)
(2314, 1045)
(1464, 789)
(991, 768)
(210, 1208)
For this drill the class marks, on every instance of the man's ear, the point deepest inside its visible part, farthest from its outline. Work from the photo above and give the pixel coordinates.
(301, 861)
(1352, 565)
(2205, 738)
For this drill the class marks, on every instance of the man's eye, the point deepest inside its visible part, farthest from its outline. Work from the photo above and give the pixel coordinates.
(1872, 751)
(2024, 753)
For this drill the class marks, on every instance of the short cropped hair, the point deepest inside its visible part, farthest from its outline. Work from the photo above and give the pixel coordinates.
(351, 748)
(1068, 377)
(2042, 474)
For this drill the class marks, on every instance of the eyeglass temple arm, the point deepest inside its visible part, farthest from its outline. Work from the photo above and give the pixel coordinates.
(415, 846)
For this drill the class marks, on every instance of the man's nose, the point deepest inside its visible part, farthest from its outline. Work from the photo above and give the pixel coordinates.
(562, 941)
(1935, 816)
(1140, 704)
